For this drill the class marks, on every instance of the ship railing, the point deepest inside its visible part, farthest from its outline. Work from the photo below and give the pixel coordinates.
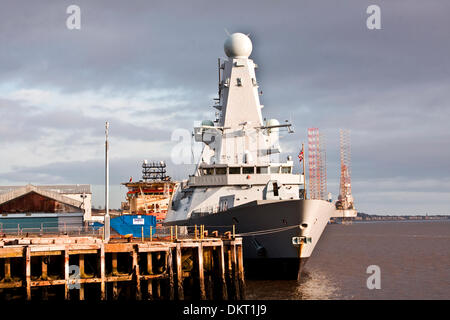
(163, 233)
(50, 230)
(176, 232)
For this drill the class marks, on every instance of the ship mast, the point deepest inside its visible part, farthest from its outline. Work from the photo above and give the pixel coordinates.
(304, 176)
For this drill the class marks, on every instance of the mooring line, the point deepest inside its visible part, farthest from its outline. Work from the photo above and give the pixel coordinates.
(267, 231)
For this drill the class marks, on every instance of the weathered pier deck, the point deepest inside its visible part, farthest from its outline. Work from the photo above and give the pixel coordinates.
(87, 268)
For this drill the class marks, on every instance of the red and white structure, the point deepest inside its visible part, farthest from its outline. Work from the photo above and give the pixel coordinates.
(317, 165)
(345, 198)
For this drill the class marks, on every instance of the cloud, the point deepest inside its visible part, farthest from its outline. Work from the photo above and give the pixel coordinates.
(93, 172)
(150, 68)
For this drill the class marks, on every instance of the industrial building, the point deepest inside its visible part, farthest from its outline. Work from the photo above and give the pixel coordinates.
(54, 207)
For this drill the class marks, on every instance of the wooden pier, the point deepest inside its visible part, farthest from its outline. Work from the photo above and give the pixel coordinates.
(86, 268)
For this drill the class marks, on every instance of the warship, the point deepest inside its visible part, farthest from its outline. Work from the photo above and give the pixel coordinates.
(241, 181)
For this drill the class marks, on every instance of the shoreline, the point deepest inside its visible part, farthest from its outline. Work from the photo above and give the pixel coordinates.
(392, 220)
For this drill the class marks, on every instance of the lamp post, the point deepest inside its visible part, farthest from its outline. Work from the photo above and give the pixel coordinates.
(106, 226)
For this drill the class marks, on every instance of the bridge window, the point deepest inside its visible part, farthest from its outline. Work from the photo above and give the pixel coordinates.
(221, 170)
(262, 170)
(235, 170)
(248, 170)
(274, 169)
(207, 171)
(285, 169)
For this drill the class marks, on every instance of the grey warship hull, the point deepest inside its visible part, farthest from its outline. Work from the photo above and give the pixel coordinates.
(278, 236)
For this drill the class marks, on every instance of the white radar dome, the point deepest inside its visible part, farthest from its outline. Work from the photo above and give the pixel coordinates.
(238, 45)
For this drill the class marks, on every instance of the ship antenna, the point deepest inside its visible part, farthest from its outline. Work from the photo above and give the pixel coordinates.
(192, 148)
(226, 31)
(220, 88)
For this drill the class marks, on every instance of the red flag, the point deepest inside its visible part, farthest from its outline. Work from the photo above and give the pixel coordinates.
(131, 179)
(300, 156)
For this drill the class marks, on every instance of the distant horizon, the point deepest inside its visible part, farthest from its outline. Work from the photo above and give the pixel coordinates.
(407, 215)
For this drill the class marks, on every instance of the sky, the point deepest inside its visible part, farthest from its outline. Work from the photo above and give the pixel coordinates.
(150, 69)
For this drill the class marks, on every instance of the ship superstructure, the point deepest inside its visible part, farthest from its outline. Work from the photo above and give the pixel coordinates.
(153, 194)
(241, 179)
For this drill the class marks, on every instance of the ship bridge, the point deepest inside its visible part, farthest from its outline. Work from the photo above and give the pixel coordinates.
(221, 174)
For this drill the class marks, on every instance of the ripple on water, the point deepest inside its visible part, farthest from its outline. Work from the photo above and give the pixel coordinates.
(312, 286)
(413, 257)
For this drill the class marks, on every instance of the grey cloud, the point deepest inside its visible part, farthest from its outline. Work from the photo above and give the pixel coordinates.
(92, 172)
(319, 66)
(159, 44)
(25, 123)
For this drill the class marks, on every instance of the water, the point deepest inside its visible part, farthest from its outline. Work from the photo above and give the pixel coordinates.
(414, 258)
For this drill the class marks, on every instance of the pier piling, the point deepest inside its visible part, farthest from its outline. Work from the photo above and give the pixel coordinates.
(43, 268)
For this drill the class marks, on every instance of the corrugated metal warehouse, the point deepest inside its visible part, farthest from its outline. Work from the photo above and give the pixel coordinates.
(50, 207)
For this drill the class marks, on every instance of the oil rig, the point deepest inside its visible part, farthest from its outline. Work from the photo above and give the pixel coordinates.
(318, 172)
(152, 194)
(317, 165)
(345, 198)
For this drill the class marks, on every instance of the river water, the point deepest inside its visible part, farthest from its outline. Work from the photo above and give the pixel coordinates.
(413, 257)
